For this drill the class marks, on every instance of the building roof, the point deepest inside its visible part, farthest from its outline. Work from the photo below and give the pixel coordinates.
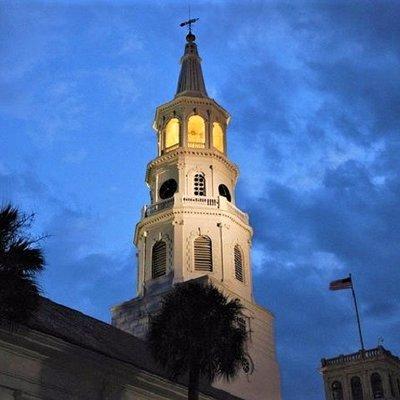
(377, 353)
(82, 330)
(191, 81)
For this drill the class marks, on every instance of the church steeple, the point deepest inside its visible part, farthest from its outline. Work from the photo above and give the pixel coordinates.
(191, 81)
(192, 228)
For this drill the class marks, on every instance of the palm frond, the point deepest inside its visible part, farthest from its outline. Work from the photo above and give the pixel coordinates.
(20, 262)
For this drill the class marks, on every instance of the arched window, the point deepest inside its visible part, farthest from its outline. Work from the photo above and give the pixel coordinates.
(159, 259)
(218, 137)
(203, 254)
(199, 185)
(376, 386)
(196, 132)
(224, 191)
(171, 134)
(238, 264)
(356, 388)
(337, 391)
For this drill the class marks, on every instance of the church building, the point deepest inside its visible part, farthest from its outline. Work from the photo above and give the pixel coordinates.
(192, 228)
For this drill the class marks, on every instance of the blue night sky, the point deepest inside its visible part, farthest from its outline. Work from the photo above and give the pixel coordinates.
(314, 93)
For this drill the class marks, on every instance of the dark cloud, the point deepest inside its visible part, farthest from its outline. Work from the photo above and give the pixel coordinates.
(314, 93)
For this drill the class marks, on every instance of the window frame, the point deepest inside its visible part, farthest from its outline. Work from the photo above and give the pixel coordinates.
(338, 390)
(201, 183)
(166, 149)
(237, 250)
(196, 144)
(203, 254)
(155, 269)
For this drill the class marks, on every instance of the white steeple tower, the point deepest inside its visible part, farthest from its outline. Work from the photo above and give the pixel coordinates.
(192, 227)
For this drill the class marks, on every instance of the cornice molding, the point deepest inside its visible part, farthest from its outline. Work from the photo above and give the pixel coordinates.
(189, 101)
(174, 155)
(171, 213)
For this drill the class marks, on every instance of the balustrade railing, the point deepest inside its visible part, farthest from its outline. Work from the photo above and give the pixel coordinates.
(207, 201)
(360, 355)
(156, 207)
(243, 216)
(196, 145)
(214, 202)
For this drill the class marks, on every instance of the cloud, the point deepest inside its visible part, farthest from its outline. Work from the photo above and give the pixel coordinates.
(313, 90)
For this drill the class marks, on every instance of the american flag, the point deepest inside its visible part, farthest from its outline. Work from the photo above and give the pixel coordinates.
(340, 284)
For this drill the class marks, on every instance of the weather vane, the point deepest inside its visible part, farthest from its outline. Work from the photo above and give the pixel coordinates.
(189, 22)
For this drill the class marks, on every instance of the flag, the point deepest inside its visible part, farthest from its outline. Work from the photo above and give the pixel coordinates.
(340, 284)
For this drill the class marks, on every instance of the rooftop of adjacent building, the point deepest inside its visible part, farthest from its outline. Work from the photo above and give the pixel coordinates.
(71, 326)
(377, 353)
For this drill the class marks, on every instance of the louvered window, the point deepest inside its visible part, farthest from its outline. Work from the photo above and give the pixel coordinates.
(159, 259)
(202, 254)
(199, 185)
(238, 264)
(241, 322)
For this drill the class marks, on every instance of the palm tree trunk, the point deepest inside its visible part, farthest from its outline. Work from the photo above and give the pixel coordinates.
(194, 379)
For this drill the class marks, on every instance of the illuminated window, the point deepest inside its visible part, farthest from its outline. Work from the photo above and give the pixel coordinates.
(203, 254)
(196, 132)
(159, 259)
(171, 138)
(218, 137)
(199, 185)
(238, 263)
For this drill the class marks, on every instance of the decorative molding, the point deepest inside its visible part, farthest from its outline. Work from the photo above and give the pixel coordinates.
(173, 156)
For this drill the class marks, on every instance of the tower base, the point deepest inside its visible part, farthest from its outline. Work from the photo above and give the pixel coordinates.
(264, 381)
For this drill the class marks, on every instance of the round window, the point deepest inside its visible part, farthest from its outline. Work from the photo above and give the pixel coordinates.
(168, 188)
(224, 191)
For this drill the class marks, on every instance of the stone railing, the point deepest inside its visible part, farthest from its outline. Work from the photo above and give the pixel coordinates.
(157, 207)
(200, 200)
(360, 355)
(195, 201)
(233, 209)
(196, 145)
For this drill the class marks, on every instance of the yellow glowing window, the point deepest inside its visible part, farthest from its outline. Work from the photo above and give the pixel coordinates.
(218, 137)
(172, 133)
(196, 132)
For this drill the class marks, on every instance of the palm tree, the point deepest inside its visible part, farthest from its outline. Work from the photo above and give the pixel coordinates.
(198, 331)
(20, 261)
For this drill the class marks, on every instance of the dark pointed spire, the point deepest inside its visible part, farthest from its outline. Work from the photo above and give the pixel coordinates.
(191, 81)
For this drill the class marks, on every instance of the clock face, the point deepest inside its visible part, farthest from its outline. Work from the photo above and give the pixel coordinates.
(167, 189)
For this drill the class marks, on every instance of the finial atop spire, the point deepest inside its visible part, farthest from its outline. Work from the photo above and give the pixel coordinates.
(191, 81)
(189, 22)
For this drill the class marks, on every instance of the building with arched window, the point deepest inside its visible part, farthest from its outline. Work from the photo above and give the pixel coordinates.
(365, 375)
(192, 227)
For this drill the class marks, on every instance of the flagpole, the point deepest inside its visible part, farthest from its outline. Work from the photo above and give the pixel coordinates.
(357, 313)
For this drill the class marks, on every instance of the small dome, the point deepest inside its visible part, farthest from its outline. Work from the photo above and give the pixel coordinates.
(190, 37)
